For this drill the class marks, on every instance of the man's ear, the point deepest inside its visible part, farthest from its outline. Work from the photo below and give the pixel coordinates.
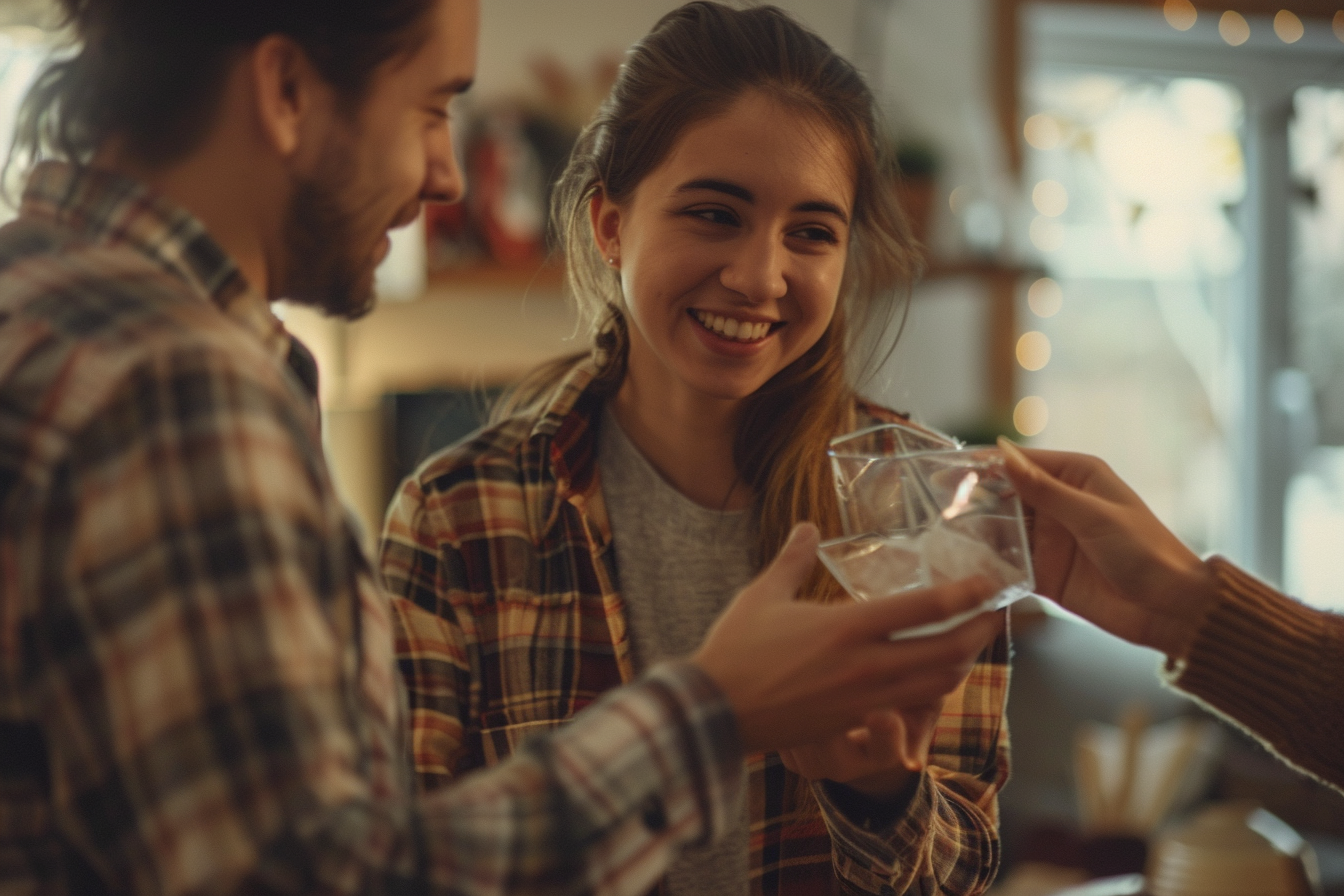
(606, 220)
(285, 86)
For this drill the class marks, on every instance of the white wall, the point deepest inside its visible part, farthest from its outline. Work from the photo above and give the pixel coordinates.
(932, 76)
(577, 31)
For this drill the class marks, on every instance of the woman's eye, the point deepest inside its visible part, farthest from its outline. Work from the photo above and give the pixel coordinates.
(714, 215)
(816, 234)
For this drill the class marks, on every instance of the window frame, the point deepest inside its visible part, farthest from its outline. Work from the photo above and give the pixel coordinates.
(1267, 72)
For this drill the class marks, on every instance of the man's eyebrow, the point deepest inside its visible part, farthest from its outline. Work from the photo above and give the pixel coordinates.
(740, 192)
(453, 87)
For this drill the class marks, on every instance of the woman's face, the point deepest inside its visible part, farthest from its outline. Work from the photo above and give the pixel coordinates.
(731, 251)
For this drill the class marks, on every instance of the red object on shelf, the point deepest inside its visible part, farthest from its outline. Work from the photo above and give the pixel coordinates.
(504, 199)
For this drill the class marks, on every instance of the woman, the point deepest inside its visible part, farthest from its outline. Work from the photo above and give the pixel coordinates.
(729, 233)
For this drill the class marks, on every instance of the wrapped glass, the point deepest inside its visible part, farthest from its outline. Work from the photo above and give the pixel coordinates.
(920, 510)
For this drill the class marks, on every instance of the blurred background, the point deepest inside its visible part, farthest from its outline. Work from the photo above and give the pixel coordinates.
(1134, 222)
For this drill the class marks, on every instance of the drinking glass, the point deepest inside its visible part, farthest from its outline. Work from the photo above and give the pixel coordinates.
(920, 510)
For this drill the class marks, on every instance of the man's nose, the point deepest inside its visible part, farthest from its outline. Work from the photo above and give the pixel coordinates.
(444, 181)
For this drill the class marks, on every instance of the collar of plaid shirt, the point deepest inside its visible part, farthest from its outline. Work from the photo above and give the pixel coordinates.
(565, 428)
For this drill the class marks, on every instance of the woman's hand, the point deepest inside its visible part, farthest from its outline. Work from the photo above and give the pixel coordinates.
(1101, 553)
(877, 759)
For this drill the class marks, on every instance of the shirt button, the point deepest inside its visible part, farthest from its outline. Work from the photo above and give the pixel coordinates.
(653, 815)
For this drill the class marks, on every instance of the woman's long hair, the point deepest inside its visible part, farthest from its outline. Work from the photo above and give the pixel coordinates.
(694, 64)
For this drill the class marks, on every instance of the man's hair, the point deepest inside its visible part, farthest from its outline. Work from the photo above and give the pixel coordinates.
(150, 72)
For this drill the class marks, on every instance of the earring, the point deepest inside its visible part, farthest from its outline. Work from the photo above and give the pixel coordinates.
(612, 261)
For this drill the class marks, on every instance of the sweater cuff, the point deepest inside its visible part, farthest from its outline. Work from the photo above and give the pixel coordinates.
(1235, 662)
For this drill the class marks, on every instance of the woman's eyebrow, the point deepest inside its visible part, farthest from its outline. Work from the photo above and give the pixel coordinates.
(826, 208)
(741, 192)
(718, 186)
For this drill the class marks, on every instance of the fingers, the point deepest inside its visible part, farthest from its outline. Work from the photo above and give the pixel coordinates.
(924, 670)
(1083, 472)
(780, 581)
(886, 738)
(1081, 510)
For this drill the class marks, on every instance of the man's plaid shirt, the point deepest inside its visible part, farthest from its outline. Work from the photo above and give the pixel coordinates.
(197, 684)
(510, 621)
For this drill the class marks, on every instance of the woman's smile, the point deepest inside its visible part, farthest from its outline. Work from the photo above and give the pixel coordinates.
(733, 328)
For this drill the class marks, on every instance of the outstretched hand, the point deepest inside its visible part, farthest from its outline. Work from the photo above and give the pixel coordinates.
(1101, 553)
(799, 672)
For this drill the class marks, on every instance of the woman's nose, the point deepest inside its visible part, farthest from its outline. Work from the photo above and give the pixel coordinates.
(755, 269)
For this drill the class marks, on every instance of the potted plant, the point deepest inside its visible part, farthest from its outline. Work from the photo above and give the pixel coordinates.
(915, 174)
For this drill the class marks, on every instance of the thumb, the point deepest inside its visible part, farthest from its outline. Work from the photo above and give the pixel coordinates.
(1074, 509)
(780, 581)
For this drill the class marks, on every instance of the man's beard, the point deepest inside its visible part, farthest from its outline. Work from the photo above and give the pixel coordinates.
(324, 267)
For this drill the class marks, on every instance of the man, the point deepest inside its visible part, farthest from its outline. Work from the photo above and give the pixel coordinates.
(197, 691)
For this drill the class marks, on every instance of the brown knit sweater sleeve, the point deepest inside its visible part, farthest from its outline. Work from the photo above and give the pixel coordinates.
(1273, 666)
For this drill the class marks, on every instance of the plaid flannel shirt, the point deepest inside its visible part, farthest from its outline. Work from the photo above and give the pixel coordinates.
(197, 684)
(510, 621)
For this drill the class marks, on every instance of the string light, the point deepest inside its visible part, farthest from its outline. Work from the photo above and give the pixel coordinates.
(1050, 198)
(957, 199)
(1033, 350)
(1288, 26)
(1234, 28)
(1181, 14)
(1045, 297)
(1043, 131)
(1046, 234)
(1031, 415)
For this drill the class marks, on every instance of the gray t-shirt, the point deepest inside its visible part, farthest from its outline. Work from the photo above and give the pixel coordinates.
(678, 564)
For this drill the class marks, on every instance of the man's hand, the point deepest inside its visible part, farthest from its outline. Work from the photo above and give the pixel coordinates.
(877, 759)
(1101, 553)
(797, 672)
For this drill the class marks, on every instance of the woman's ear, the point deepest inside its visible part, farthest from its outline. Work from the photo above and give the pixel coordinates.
(606, 219)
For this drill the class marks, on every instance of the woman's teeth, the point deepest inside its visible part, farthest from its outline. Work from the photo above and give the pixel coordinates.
(731, 328)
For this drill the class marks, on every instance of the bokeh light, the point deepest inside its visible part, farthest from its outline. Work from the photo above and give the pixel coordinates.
(1181, 14)
(1234, 28)
(1031, 415)
(1288, 26)
(1046, 234)
(1033, 350)
(1043, 131)
(1045, 297)
(1050, 198)
(957, 199)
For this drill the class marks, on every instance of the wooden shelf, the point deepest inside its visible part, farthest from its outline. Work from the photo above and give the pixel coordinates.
(551, 274)
(541, 274)
(1001, 279)
(987, 269)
